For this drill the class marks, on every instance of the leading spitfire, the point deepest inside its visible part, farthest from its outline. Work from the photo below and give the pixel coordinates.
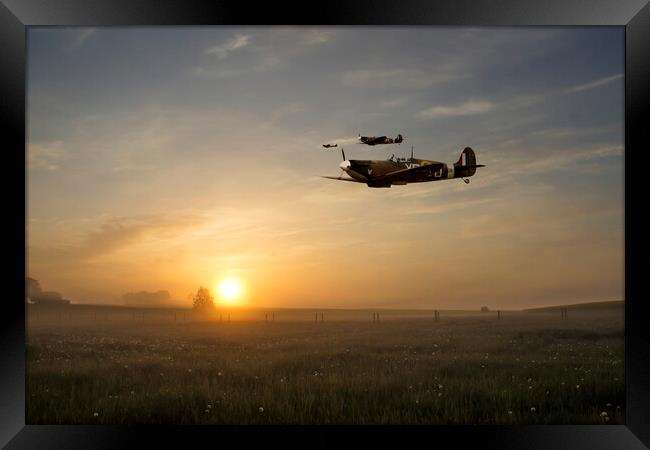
(400, 171)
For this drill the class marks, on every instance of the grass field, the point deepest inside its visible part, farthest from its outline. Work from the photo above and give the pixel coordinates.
(113, 366)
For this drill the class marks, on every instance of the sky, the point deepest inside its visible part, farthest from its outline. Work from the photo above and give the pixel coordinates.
(168, 158)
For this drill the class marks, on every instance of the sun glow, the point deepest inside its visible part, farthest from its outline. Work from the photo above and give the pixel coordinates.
(229, 291)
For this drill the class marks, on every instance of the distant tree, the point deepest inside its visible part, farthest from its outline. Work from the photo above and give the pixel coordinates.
(32, 287)
(203, 301)
(484, 309)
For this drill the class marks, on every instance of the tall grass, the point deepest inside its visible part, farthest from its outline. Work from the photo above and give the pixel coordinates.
(522, 369)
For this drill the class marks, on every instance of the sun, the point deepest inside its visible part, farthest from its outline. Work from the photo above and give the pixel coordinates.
(229, 290)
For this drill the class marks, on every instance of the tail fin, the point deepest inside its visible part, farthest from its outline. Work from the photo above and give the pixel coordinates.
(467, 158)
(467, 162)
(399, 139)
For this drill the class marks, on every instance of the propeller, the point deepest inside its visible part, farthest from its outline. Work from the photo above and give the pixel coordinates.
(342, 171)
(411, 153)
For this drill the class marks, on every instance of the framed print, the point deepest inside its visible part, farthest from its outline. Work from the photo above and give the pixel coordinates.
(406, 223)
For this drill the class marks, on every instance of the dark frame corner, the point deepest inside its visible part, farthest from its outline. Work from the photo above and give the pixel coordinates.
(634, 15)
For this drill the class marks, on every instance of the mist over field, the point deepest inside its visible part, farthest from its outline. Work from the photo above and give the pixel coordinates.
(126, 366)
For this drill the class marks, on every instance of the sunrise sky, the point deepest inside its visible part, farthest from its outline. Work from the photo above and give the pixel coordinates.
(168, 158)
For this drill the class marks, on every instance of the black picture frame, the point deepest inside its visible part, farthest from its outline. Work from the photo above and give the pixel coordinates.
(16, 15)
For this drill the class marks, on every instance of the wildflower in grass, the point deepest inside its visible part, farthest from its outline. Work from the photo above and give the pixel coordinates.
(577, 386)
(96, 414)
(261, 409)
(603, 414)
(532, 409)
(510, 413)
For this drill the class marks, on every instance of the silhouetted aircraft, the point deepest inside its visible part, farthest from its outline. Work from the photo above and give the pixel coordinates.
(399, 171)
(330, 145)
(375, 140)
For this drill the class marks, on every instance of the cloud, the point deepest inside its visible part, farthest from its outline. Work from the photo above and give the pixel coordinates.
(575, 159)
(81, 37)
(393, 103)
(317, 37)
(237, 42)
(45, 156)
(285, 111)
(470, 107)
(393, 78)
(272, 50)
(119, 233)
(594, 84)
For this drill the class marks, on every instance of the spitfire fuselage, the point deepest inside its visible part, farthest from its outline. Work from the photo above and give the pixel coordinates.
(372, 171)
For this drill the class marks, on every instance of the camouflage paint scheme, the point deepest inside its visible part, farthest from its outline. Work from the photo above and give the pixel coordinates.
(372, 140)
(400, 171)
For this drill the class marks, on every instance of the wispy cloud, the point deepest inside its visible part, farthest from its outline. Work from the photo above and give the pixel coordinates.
(81, 37)
(236, 42)
(45, 155)
(268, 51)
(393, 78)
(470, 107)
(594, 84)
(317, 37)
(575, 159)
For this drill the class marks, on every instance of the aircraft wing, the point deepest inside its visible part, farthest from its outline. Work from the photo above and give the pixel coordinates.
(425, 169)
(345, 179)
